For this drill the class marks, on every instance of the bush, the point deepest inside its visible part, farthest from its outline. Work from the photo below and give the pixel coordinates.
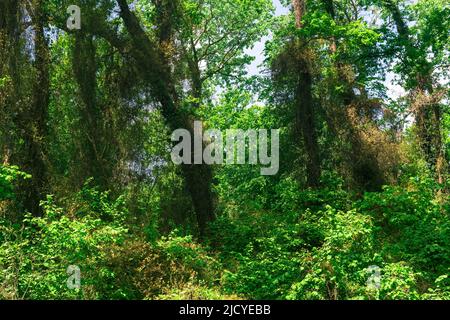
(336, 268)
(413, 225)
(168, 266)
(399, 282)
(265, 270)
(441, 289)
(35, 255)
(9, 174)
(311, 259)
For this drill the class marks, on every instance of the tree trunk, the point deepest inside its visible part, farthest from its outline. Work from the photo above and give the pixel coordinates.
(84, 65)
(27, 110)
(305, 117)
(9, 55)
(428, 118)
(37, 132)
(156, 71)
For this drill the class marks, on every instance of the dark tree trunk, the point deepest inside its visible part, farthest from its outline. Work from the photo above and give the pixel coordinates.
(28, 110)
(94, 161)
(9, 55)
(305, 122)
(305, 116)
(36, 135)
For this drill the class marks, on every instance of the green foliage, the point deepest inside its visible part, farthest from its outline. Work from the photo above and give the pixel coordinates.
(399, 283)
(97, 142)
(195, 292)
(266, 269)
(8, 175)
(172, 266)
(309, 250)
(334, 269)
(413, 223)
(440, 290)
(35, 255)
(90, 201)
(314, 251)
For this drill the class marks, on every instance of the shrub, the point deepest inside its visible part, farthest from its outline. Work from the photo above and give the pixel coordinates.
(335, 269)
(412, 225)
(36, 254)
(169, 266)
(399, 282)
(9, 174)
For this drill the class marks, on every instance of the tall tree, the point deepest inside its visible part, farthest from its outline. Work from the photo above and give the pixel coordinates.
(10, 33)
(28, 104)
(365, 170)
(157, 72)
(157, 66)
(292, 66)
(305, 115)
(430, 34)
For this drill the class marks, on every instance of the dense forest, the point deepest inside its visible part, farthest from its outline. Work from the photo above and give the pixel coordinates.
(354, 98)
